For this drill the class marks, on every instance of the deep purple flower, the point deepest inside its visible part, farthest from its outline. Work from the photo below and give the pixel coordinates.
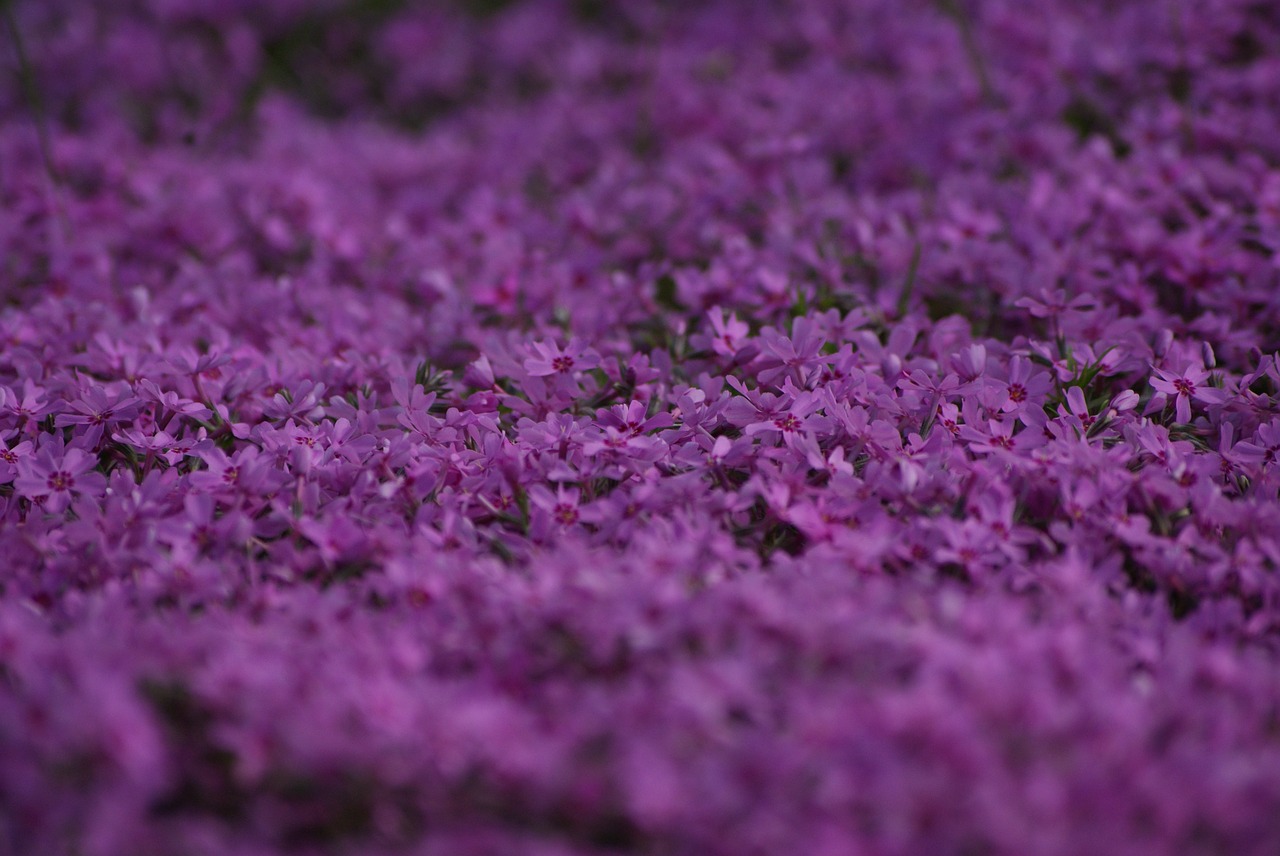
(648, 452)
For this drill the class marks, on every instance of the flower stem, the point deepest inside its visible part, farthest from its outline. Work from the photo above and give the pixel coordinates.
(953, 10)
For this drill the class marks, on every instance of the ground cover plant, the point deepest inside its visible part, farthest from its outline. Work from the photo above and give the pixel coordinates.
(562, 427)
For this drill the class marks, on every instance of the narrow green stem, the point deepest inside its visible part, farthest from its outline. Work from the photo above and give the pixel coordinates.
(36, 104)
(952, 9)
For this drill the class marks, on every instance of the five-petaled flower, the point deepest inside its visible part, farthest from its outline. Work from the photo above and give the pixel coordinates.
(551, 359)
(561, 506)
(1186, 386)
(54, 474)
(11, 455)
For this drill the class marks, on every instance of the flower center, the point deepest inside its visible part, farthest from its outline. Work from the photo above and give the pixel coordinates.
(787, 423)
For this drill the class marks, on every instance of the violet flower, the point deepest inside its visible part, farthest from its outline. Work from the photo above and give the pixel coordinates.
(56, 474)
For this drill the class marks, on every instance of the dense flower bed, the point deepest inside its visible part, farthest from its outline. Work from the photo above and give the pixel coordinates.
(810, 427)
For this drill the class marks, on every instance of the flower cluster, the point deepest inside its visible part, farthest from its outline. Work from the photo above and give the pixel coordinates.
(578, 428)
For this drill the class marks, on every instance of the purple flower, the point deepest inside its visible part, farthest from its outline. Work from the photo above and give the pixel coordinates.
(998, 437)
(301, 402)
(551, 359)
(11, 456)
(624, 444)
(1264, 448)
(31, 403)
(55, 474)
(244, 471)
(561, 506)
(187, 361)
(795, 357)
(789, 420)
(1191, 384)
(728, 333)
(1053, 303)
(99, 409)
(323, 527)
(1025, 385)
(172, 401)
